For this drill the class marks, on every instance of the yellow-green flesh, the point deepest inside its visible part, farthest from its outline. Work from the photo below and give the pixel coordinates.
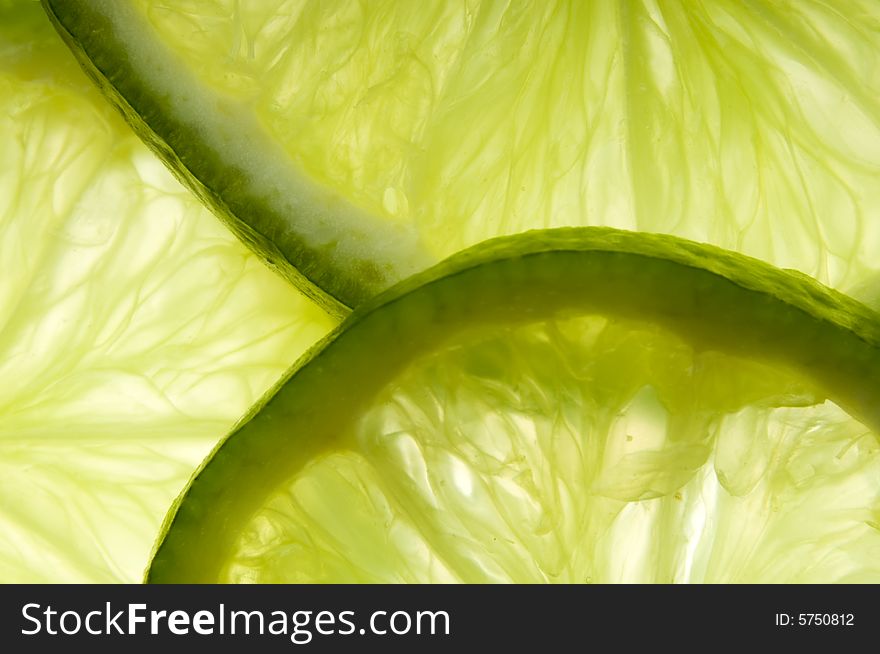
(134, 329)
(356, 142)
(579, 406)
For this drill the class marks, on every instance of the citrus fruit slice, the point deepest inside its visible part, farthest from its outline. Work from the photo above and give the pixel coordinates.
(356, 143)
(570, 405)
(134, 330)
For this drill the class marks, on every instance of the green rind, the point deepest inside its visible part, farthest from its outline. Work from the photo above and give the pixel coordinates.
(713, 298)
(200, 166)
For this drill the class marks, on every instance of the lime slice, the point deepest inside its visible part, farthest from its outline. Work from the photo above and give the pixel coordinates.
(134, 330)
(571, 405)
(360, 142)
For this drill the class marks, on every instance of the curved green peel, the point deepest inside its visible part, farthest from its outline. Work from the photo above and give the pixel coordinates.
(353, 144)
(215, 147)
(695, 338)
(134, 329)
